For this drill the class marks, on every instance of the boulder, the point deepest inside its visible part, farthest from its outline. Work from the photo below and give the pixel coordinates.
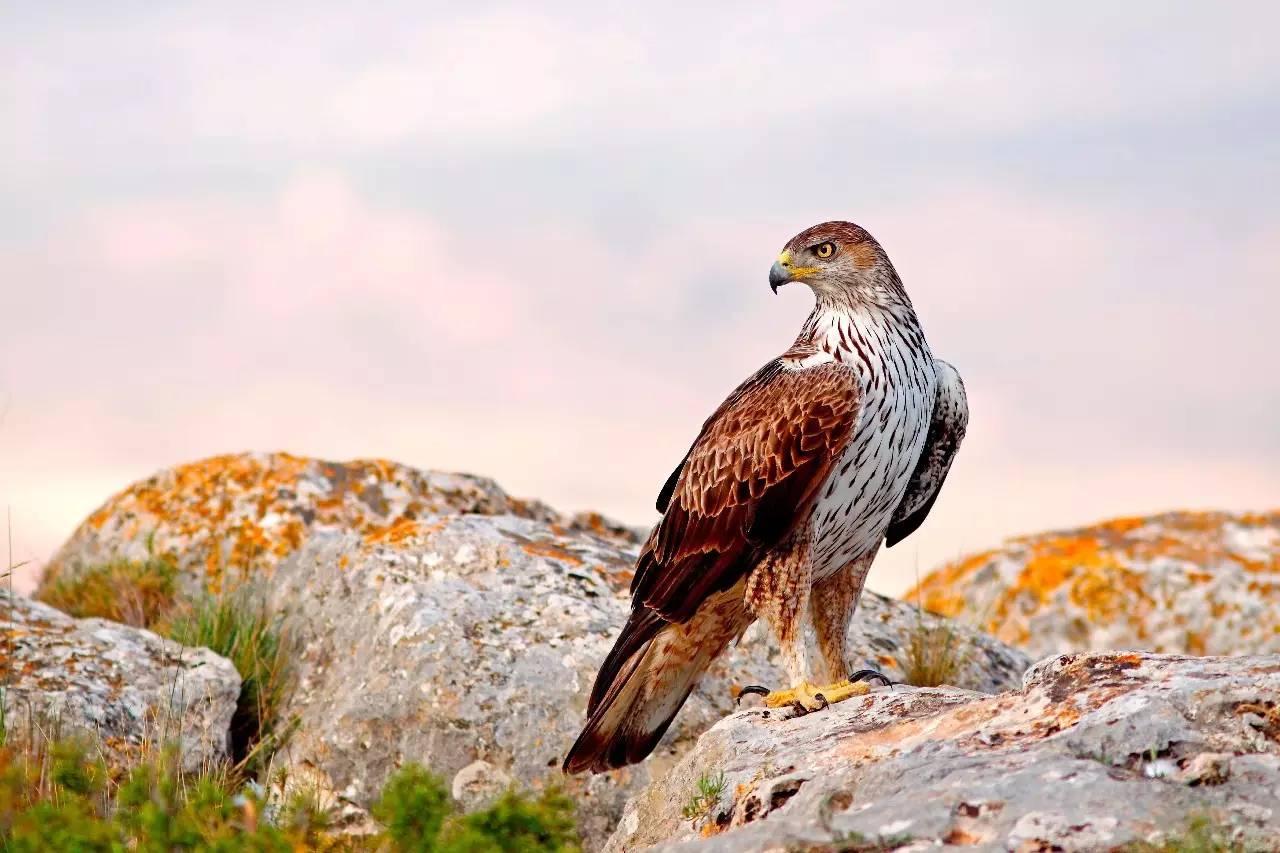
(469, 644)
(1205, 583)
(1094, 752)
(443, 622)
(246, 512)
(123, 687)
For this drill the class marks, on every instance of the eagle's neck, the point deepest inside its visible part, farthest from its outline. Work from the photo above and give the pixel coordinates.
(858, 333)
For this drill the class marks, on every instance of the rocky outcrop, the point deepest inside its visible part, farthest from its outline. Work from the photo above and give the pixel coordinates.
(469, 644)
(123, 687)
(244, 513)
(1201, 583)
(1094, 752)
(441, 621)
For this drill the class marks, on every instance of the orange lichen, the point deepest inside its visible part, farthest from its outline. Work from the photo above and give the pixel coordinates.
(550, 549)
(939, 591)
(398, 531)
(1104, 576)
(247, 512)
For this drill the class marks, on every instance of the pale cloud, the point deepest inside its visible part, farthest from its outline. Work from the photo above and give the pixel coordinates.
(532, 243)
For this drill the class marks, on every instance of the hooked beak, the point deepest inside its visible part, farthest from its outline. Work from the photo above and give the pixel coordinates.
(779, 274)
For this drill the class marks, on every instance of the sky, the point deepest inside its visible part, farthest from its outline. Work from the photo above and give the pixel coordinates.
(533, 242)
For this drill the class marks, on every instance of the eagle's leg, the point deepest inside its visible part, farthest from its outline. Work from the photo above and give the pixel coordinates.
(778, 592)
(832, 602)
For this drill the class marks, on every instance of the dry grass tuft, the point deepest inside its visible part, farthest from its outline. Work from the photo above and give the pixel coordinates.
(936, 653)
(141, 593)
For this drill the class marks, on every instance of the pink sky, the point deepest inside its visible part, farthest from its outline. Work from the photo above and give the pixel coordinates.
(534, 245)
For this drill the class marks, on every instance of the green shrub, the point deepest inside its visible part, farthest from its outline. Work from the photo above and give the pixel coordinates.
(141, 593)
(420, 818)
(56, 795)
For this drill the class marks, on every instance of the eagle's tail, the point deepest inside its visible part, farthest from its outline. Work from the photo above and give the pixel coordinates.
(644, 681)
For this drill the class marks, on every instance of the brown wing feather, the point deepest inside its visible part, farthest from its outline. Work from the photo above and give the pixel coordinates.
(752, 474)
(754, 470)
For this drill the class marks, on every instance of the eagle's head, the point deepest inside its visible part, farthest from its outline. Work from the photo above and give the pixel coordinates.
(838, 260)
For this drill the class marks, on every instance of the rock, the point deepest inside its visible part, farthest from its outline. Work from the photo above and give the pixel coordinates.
(1095, 751)
(478, 784)
(1202, 583)
(124, 687)
(249, 511)
(466, 639)
(440, 621)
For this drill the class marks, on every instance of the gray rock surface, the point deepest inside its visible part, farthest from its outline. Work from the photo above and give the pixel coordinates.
(1095, 751)
(442, 621)
(124, 687)
(469, 644)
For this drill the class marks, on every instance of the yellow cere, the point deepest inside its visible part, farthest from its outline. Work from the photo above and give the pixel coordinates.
(796, 272)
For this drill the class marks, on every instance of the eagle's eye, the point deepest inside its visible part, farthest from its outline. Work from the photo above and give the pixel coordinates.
(825, 250)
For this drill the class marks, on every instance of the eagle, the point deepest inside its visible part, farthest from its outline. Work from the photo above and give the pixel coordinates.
(780, 505)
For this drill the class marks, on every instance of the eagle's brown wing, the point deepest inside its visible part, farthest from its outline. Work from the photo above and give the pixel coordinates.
(749, 478)
(753, 470)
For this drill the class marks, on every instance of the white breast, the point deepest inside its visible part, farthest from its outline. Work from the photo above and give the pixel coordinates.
(871, 476)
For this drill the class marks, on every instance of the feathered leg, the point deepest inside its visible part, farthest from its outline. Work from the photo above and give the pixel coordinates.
(778, 592)
(810, 621)
(833, 601)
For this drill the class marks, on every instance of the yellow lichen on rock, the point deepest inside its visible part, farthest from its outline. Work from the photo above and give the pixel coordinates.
(1198, 582)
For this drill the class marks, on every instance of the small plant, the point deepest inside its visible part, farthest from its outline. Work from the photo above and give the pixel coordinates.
(1201, 835)
(55, 795)
(420, 818)
(935, 654)
(413, 808)
(705, 795)
(141, 593)
(240, 627)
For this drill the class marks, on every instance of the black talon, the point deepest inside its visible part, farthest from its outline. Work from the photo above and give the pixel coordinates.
(754, 690)
(871, 675)
(818, 697)
(800, 709)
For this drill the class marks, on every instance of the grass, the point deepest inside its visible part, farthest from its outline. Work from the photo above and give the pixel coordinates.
(241, 628)
(705, 795)
(56, 795)
(935, 654)
(236, 625)
(1201, 835)
(141, 593)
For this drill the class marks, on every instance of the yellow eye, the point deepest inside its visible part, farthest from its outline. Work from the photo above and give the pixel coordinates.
(825, 250)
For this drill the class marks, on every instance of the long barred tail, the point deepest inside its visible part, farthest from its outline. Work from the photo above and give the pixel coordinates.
(645, 680)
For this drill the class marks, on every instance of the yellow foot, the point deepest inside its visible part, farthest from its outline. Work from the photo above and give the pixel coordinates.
(812, 697)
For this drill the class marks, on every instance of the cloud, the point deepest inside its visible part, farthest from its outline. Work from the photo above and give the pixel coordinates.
(532, 242)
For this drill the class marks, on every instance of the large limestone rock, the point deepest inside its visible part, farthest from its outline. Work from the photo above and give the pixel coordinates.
(1202, 583)
(247, 512)
(469, 644)
(443, 622)
(122, 687)
(1094, 752)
